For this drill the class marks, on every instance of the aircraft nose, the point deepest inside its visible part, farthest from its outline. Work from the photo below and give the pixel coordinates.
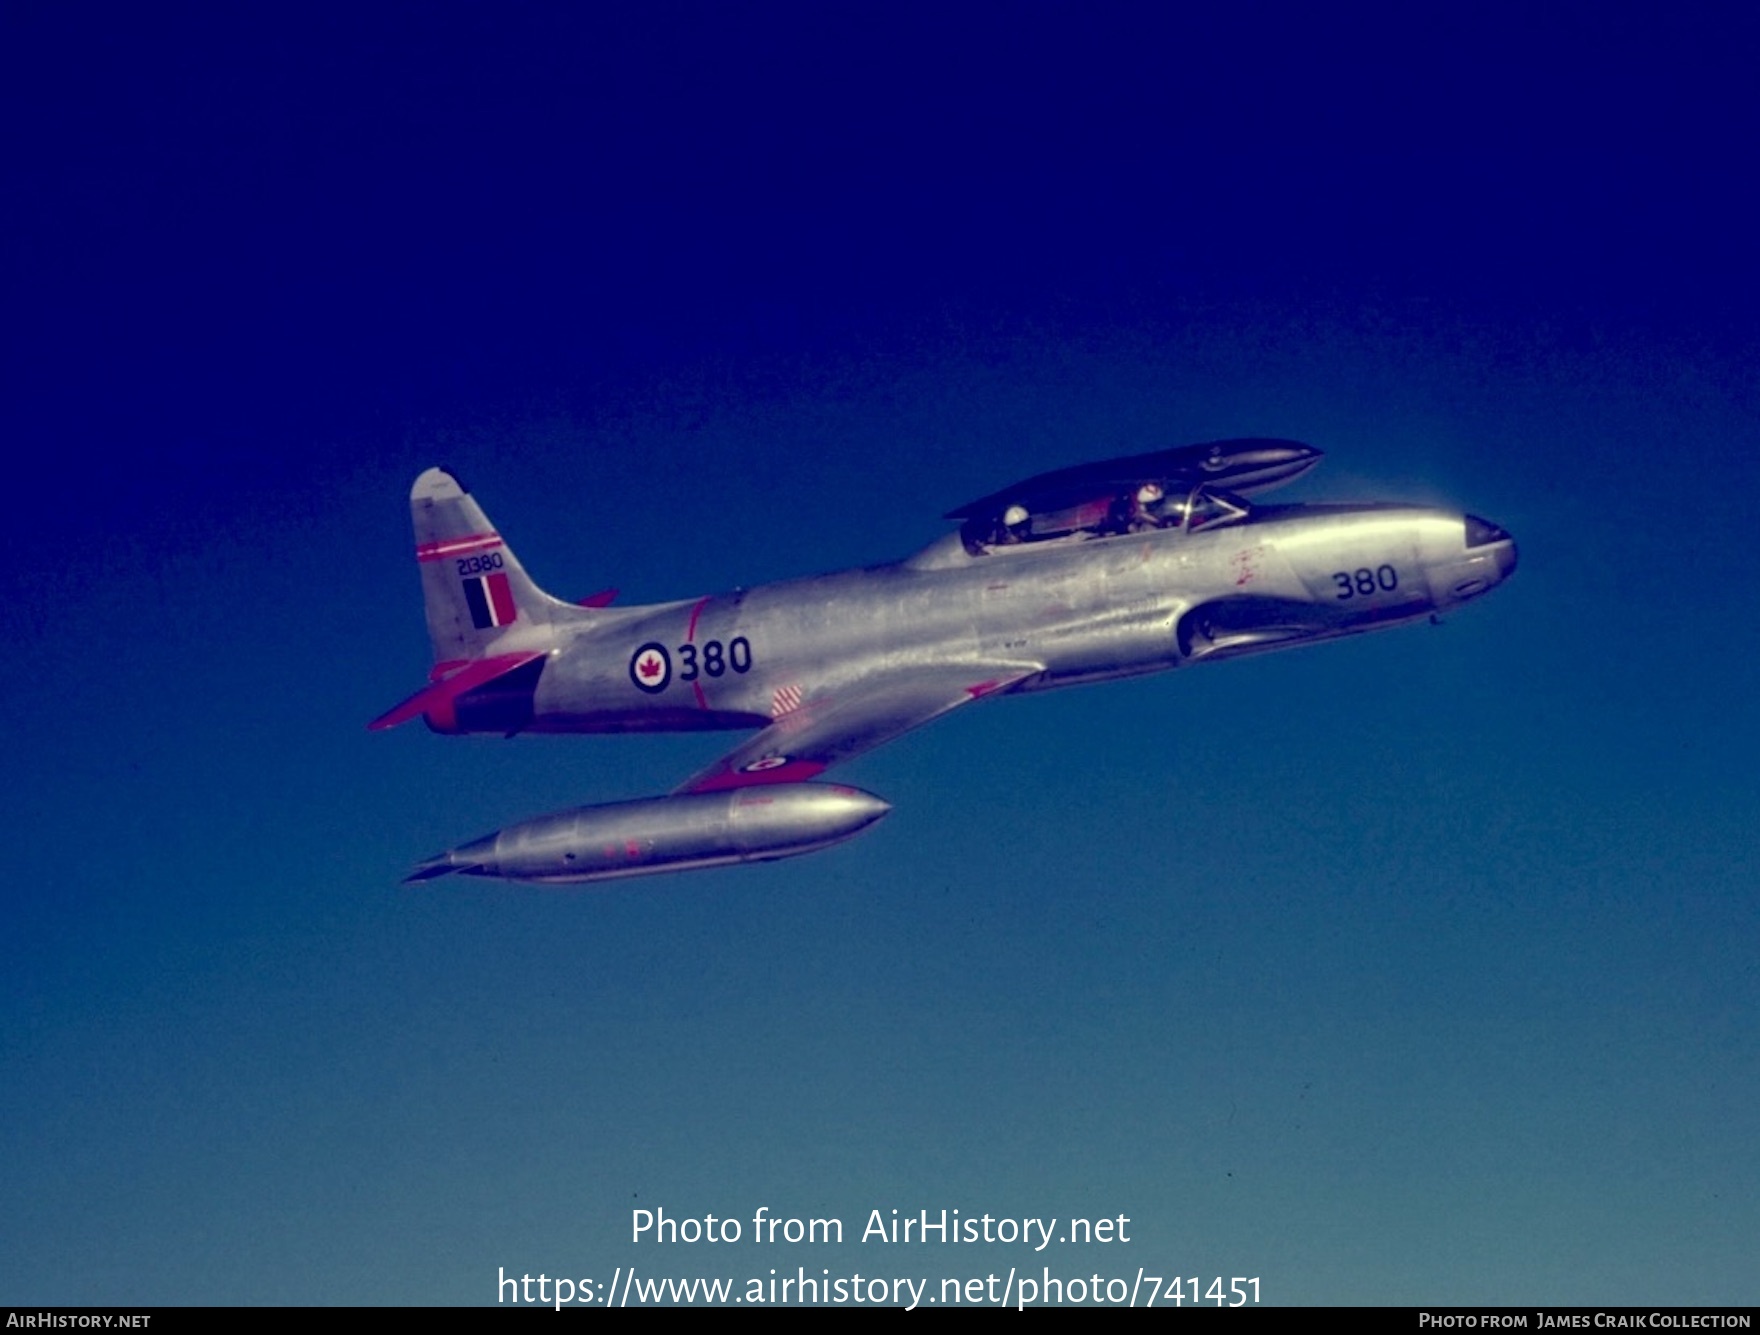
(1483, 533)
(1506, 559)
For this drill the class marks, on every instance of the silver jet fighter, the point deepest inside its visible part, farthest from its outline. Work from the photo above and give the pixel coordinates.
(1106, 570)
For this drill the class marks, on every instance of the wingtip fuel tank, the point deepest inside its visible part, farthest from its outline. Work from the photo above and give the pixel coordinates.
(665, 834)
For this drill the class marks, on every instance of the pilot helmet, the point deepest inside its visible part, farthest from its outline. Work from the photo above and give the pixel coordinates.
(1149, 493)
(1015, 515)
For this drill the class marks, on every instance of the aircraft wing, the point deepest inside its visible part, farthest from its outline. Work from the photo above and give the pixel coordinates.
(820, 730)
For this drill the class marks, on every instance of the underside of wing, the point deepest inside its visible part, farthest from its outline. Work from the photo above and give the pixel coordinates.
(834, 725)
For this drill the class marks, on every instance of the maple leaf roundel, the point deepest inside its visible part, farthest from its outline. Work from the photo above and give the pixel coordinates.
(650, 667)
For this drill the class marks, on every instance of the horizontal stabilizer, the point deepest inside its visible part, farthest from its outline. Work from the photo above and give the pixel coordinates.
(440, 699)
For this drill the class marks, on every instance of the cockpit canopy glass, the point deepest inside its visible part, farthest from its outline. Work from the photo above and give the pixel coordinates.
(1145, 508)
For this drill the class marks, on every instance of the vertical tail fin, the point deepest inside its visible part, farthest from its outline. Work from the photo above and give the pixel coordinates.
(480, 601)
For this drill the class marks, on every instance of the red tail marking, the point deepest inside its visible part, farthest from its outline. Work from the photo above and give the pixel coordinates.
(466, 546)
(501, 600)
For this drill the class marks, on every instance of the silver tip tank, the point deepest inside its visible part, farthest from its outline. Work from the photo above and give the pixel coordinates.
(664, 834)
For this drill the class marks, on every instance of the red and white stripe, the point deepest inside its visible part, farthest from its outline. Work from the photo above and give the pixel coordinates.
(784, 700)
(469, 545)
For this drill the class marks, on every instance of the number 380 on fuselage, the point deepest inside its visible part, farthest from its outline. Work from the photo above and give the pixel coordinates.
(1104, 570)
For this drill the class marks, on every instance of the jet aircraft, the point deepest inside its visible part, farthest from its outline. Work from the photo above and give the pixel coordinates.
(1091, 573)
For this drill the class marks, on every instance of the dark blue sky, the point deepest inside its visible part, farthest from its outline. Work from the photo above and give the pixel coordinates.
(1418, 967)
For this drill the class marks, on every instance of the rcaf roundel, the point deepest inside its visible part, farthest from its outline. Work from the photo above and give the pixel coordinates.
(650, 668)
(490, 601)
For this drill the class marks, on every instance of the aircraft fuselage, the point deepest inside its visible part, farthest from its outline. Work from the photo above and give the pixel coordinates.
(1081, 611)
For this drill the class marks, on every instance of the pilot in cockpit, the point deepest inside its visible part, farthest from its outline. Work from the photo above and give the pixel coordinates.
(1145, 508)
